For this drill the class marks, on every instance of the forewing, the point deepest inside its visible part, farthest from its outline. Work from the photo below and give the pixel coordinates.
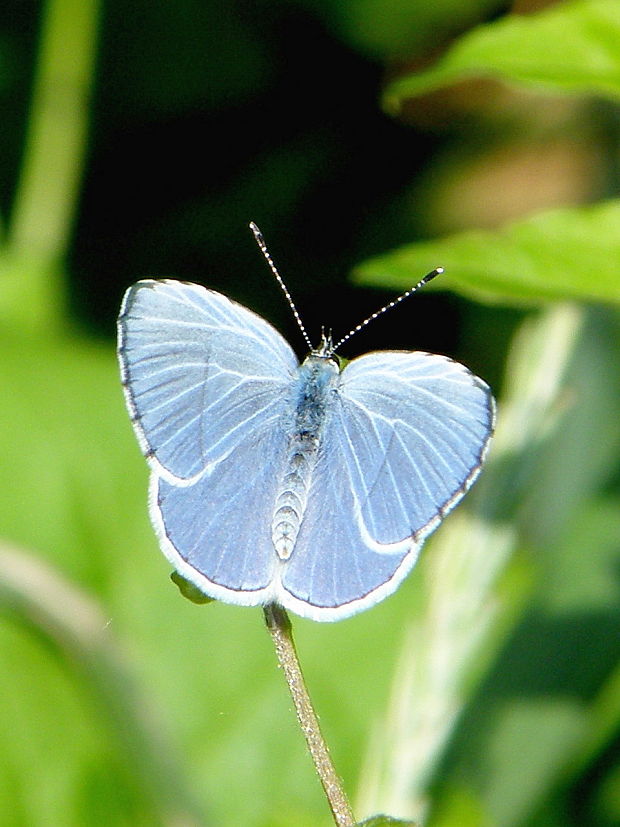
(199, 372)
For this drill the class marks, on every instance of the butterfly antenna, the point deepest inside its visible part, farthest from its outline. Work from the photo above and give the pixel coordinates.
(263, 248)
(436, 272)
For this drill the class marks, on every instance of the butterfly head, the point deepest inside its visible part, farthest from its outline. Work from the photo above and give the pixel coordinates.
(327, 351)
(326, 345)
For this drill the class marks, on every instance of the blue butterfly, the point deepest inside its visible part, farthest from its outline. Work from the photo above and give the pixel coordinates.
(309, 486)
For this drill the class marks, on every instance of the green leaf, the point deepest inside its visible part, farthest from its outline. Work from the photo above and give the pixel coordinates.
(385, 821)
(189, 590)
(571, 47)
(565, 253)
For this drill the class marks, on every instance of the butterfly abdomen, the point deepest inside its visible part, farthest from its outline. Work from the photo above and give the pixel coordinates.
(316, 380)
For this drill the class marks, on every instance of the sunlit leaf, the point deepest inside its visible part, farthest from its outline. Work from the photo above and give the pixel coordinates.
(567, 253)
(572, 47)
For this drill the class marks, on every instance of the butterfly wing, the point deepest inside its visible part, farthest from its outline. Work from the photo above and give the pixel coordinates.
(207, 385)
(217, 531)
(200, 373)
(405, 438)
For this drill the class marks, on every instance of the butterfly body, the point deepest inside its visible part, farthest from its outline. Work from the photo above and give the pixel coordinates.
(313, 390)
(305, 485)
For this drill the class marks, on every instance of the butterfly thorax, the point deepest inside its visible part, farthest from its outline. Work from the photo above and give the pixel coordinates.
(316, 380)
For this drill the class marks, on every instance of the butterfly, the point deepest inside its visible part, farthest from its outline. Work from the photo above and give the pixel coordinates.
(308, 485)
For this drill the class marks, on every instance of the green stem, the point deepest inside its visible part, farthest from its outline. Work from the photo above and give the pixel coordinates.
(47, 193)
(281, 632)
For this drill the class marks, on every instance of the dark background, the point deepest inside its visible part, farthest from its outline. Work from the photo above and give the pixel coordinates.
(206, 116)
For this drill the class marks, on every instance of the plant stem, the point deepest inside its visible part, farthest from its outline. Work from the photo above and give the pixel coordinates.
(46, 198)
(43, 212)
(281, 632)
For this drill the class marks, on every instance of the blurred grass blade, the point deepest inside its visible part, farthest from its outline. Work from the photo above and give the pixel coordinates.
(571, 47)
(76, 626)
(465, 613)
(566, 253)
(556, 738)
(47, 192)
(603, 724)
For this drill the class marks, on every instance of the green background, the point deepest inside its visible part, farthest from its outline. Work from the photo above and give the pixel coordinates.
(371, 141)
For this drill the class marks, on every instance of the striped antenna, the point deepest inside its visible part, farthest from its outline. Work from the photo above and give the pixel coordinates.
(436, 272)
(263, 248)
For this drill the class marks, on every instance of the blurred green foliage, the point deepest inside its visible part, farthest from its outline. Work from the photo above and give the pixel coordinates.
(138, 139)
